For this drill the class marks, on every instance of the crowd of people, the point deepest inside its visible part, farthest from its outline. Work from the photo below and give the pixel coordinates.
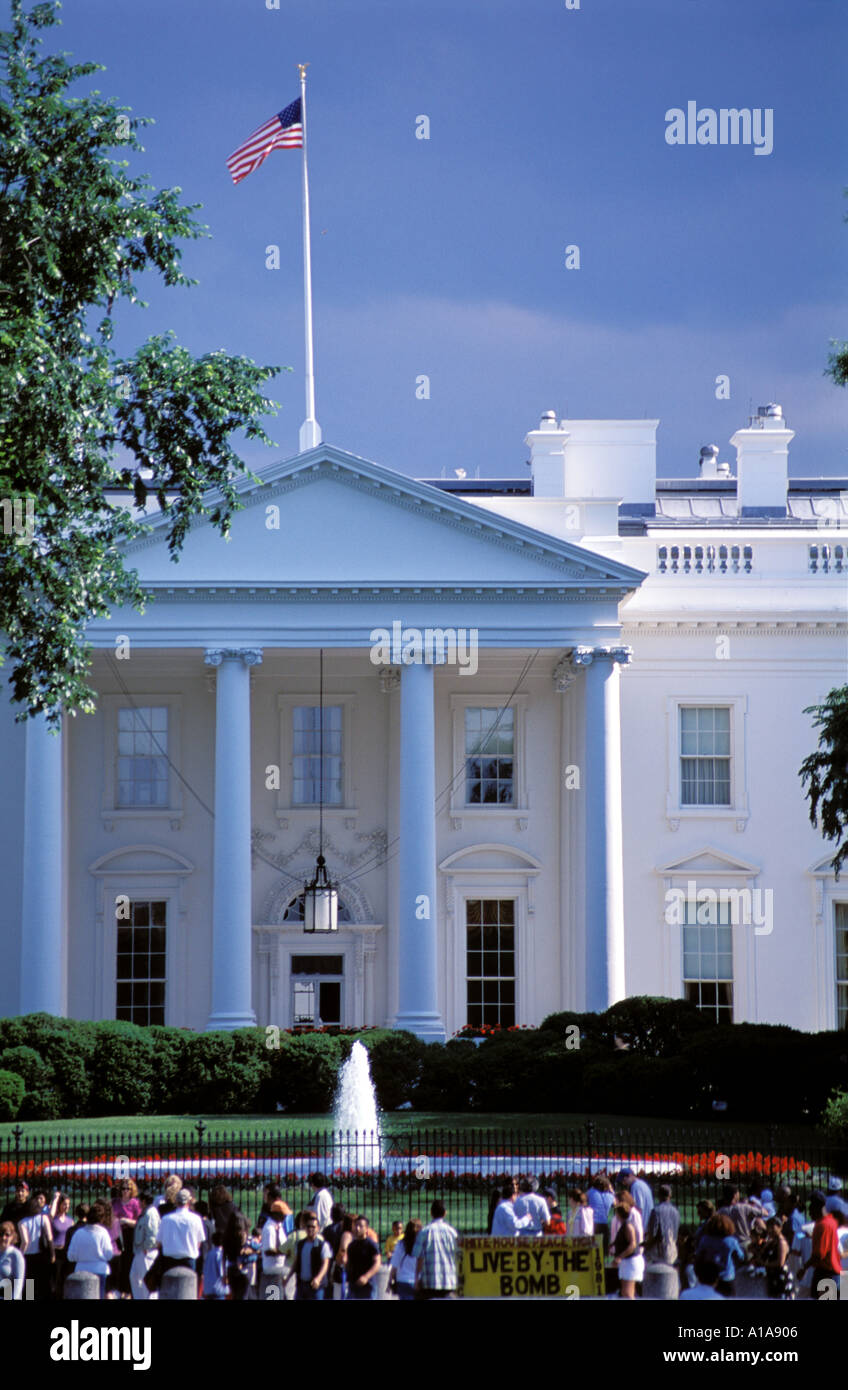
(131, 1240)
(766, 1233)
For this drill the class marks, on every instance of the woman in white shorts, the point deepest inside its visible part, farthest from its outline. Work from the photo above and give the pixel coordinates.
(627, 1257)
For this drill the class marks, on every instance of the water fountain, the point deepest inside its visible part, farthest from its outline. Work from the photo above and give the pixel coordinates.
(357, 1140)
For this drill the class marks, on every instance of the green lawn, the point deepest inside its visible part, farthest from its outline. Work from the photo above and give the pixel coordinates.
(394, 1122)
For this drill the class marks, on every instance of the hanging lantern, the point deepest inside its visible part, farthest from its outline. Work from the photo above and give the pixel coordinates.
(320, 902)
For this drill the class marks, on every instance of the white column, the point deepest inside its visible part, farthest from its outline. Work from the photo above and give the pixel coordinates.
(42, 935)
(232, 888)
(418, 998)
(604, 863)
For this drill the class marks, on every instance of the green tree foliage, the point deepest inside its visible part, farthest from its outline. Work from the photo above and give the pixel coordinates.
(824, 773)
(77, 229)
(12, 1089)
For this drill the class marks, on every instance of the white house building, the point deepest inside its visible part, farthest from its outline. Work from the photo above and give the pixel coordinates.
(563, 718)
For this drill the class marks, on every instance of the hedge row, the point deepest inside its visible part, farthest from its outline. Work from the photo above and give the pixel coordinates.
(653, 1057)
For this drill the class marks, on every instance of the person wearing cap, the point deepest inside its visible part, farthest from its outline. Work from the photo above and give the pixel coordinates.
(643, 1197)
(181, 1235)
(274, 1237)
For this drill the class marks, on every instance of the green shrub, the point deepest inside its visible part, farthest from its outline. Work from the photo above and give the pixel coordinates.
(835, 1117)
(121, 1070)
(446, 1077)
(170, 1067)
(761, 1071)
(12, 1090)
(627, 1084)
(396, 1061)
(654, 1027)
(304, 1070)
(41, 1101)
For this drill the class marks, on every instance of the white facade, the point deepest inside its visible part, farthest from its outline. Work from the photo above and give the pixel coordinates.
(644, 651)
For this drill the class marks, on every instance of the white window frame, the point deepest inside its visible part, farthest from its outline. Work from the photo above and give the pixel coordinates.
(498, 898)
(285, 809)
(110, 811)
(459, 811)
(163, 880)
(462, 883)
(700, 979)
(737, 811)
(729, 875)
(827, 892)
(127, 922)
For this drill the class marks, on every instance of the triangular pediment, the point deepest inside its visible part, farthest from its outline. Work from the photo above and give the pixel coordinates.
(707, 861)
(823, 868)
(490, 858)
(141, 859)
(329, 517)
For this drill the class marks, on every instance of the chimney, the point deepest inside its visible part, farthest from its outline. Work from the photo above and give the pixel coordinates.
(547, 461)
(762, 463)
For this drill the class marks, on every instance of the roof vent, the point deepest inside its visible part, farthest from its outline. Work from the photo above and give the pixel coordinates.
(709, 461)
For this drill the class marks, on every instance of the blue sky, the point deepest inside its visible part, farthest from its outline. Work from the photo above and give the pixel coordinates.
(446, 257)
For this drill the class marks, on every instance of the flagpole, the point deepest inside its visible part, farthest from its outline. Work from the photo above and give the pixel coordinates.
(310, 430)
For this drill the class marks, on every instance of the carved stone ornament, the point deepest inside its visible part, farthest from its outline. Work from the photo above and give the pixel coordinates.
(251, 656)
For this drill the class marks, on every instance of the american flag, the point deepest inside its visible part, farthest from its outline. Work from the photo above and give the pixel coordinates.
(283, 132)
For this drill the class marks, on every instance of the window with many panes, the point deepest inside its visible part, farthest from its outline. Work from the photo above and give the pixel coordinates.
(142, 765)
(307, 759)
(708, 958)
(489, 756)
(490, 961)
(841, 919)
(140, 994)
(704, 755)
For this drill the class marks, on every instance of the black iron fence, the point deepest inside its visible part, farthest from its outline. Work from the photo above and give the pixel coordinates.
(395, 1175)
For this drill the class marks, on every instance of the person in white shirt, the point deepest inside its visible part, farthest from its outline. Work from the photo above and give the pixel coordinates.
(181, 1235)
(530, 1202)
(274, 1239)
(90, 1250)
(505, 1221)
(321, 1202)
(403, 1264)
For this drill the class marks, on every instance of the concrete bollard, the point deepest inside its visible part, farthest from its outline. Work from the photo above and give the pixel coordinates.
(178, 1284)
(661, 1282)
(82, 1284)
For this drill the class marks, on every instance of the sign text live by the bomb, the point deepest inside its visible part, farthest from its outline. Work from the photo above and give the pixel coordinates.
(547, 1267)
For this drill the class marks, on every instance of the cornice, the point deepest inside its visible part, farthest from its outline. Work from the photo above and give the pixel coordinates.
(364, 593)
(741, 627)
